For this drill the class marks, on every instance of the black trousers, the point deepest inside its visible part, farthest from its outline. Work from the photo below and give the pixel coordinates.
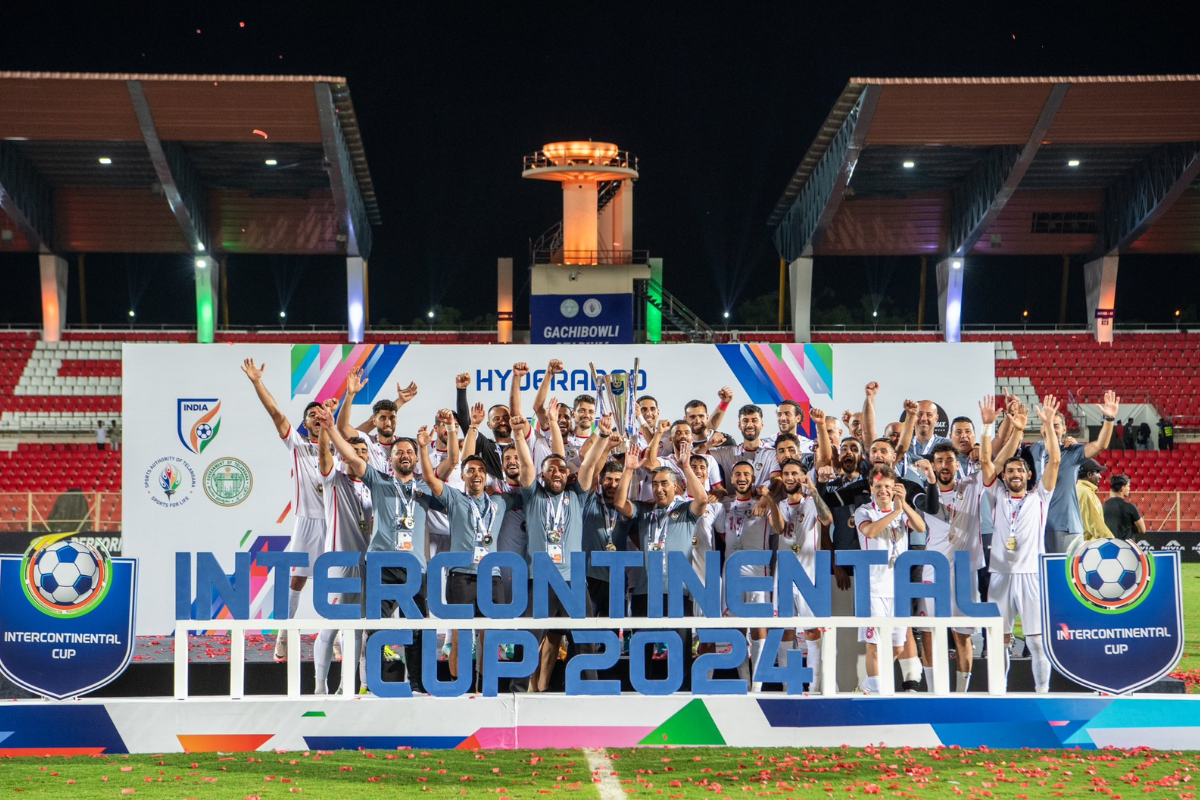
(395, 670)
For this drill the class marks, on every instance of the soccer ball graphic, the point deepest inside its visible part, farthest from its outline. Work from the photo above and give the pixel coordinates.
(203, 431)
(1110, 572)
(66, 574)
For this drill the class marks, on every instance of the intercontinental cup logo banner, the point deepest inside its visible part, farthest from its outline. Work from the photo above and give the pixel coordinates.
(66, 616)
(169, 482)
(1112, 614)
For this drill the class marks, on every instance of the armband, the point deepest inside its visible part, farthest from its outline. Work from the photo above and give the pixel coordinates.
(989, 430)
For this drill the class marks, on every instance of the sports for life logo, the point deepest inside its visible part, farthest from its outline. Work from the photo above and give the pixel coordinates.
(1111, 576)
(64, 578)
(199, 422)
(169, 482)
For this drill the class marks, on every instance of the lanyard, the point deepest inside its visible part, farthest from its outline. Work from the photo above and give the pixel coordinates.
(404, 512)
(658, 523)
(481, 524)
(609, 515)
(737, 522)
(556, 517)
(363, 494)
(1013, 512)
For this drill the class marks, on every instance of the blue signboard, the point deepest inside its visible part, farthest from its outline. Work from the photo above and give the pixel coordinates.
(581, 319)
(1112, 615)
(66, 617)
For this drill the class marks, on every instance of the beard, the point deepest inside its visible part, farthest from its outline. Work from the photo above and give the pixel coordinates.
(503, 431)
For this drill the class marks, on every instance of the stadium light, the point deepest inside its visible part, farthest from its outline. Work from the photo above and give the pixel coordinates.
(200, 246)
(430, 315)
(956, 263)
(1177, 313)
(283, 315)
(1074, 162)
(201, 263)
(131, 313)
(726, 315)
(270, 162)
(1025, 314)
(105, 160)
(909, 164)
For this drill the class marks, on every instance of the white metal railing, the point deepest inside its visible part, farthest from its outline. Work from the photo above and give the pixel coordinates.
(828, 625)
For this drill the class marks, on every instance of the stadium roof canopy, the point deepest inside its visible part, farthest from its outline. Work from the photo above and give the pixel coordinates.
(1000, 166)
(182, 164)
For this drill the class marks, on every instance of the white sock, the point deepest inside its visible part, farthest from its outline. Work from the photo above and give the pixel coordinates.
(322, 655)
(814, 661)
(964, 680)
(756, 648)
(910, 668)
(293, 602)
(870, 684)
(1041, 664)
(362, 658)
(928, 678)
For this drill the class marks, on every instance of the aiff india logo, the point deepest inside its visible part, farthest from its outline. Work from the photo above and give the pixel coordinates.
(63, 578)
(1111, 576)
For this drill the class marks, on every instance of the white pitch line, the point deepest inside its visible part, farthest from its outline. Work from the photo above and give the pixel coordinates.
(601, 766)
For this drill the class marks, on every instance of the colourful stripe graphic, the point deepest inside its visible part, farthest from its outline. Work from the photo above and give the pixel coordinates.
(225, 742)
(319, 371)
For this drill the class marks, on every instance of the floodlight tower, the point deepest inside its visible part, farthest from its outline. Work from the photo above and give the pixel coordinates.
(597, 182)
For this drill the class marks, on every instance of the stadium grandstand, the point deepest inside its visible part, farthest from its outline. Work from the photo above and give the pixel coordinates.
(944, 169)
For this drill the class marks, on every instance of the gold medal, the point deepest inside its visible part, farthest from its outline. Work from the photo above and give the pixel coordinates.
(796, 548)
(610, 546)
(1011, 543)
(362, 526)
(407, 522)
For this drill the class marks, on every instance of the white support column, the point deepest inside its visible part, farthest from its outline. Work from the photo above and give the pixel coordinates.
(54, 295)
(356, 278)
(800, 273)
(950, 286)
(1100, 281)
(504, 301)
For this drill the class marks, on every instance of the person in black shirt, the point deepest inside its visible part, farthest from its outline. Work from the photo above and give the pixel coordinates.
(1121, 516)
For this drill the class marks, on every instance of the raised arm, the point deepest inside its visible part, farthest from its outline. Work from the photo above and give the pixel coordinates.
(824, 515)
(621, 502)
(436, 484)
(445, 469)
(595, 457)
(404, 395)
(472, 437)
(255, 373)
(906, 431)
(652, 447)
(556, 439)
(344, 449)
(824, 447)
(545, 419)
(696, 489)
(868, 412)
(1017, 419)
(724, 398)
(527, 475)
(1109, 408)
(1046, 413)
(354, 384)
(461, 408)
(916, 522)
(987, 415)
(519, 371)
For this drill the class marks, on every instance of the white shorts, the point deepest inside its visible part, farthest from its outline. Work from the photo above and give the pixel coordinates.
(882, 607)
(307, 537)
(926, 607)
(1017, 594)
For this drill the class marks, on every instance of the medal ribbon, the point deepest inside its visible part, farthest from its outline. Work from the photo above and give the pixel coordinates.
(658, 522)
(481, 524)
(402, 512)
(556, 518)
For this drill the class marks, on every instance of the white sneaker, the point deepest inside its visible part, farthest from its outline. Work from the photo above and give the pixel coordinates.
(281, 646)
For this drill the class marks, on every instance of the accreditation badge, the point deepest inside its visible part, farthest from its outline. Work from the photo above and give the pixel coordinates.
(404, 541)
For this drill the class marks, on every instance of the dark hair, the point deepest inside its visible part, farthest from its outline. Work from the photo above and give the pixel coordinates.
(583, 398)
(884, 440)
(742, 464)
(797, 462)
(696, 404)
(791, 403)
(787, 437)
(611, 467)
(856, 441)
(383, 405)
(416, 447)
(957, 420)
(355, 440)
(683, 422)
(550, 456)
(697, 457)
(749, 409)
(1016, 460)
(881, 471)
(1118, 483)
(942, 447)
(650, 398)
(470, 459)
(311, 405)
(498, 405)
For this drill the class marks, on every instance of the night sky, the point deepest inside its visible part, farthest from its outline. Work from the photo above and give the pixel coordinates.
(719, 102)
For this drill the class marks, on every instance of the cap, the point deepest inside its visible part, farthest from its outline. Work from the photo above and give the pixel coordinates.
(1091, 465)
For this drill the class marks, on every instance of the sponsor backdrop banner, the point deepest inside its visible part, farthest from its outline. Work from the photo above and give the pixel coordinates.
(204, 468)
(581, 319)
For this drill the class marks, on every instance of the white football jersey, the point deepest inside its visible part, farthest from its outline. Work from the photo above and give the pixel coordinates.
(743, 530)
(307, 494)
(893, 541)
(956, 526)
(1018, 528)
(763, 459)
(801, 533)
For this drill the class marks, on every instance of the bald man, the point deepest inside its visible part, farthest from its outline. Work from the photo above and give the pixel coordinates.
(924, 439)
